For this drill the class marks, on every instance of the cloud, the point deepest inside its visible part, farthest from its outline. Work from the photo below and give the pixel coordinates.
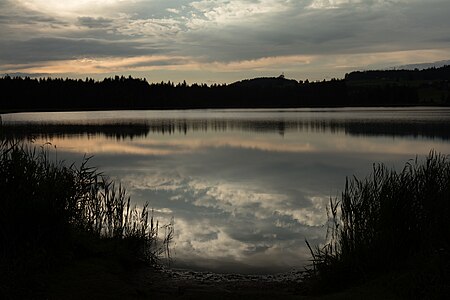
(216, 37)
(46, 49)
(223, 223)
(218, 12)
(69, 7)
(91, 22)
(160, 28)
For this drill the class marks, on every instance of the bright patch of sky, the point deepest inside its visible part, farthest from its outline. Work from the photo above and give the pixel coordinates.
(219, 40)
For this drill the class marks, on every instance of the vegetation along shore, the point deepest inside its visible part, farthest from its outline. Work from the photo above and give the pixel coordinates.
(64, 227)
(369, 88)
(55, 215)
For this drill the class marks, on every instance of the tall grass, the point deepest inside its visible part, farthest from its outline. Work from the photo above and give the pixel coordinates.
(390, 222)
(51, 212)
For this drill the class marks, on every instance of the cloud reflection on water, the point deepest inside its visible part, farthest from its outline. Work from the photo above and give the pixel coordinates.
(243, 200)
(210, 214)
(294, 143)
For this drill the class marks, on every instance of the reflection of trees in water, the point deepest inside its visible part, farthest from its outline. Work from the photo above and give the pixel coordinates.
(141, 128)
(429, 130)
(42, 130)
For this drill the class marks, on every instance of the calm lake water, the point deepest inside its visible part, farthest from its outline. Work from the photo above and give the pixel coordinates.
(245, 187)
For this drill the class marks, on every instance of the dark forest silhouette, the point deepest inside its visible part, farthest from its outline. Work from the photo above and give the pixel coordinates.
(368, 88)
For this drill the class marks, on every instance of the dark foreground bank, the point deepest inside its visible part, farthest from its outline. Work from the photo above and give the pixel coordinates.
(68, 232)
(100, 279)
(391, 228)
(53, 215)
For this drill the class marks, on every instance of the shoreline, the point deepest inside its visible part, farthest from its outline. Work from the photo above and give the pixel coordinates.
(103, 278)
(13, 111)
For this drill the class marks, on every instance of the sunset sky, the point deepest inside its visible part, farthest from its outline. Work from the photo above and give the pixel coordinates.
(217, 41)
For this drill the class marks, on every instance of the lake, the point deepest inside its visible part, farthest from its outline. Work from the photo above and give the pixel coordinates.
(245, 187)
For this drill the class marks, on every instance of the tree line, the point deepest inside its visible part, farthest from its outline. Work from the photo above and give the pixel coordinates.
(370, 88)
(442, 73)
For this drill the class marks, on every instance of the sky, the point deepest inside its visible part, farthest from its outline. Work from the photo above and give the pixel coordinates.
(219, 41)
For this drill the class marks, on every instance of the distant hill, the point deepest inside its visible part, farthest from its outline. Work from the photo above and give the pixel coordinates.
(361, 88)
(266, 82)
(442, 73)
(421, 66)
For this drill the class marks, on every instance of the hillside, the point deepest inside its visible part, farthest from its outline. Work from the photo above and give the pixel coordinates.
(358, 89)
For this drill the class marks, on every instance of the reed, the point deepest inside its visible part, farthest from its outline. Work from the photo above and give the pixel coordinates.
(390, 222)
(52, 212)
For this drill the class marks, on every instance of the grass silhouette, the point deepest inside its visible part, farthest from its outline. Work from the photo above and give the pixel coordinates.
(51, 213)
(391, 227)
(391, 224)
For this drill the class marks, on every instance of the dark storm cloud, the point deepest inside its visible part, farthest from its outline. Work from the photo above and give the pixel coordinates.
(13, 14)
(161, 62)
(358, 28)
(29, 20)
(51, 48)
(216, 31)
(91, 22)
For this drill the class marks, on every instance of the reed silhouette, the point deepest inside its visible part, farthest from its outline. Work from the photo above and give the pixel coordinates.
(52, 214)
(391, 225)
